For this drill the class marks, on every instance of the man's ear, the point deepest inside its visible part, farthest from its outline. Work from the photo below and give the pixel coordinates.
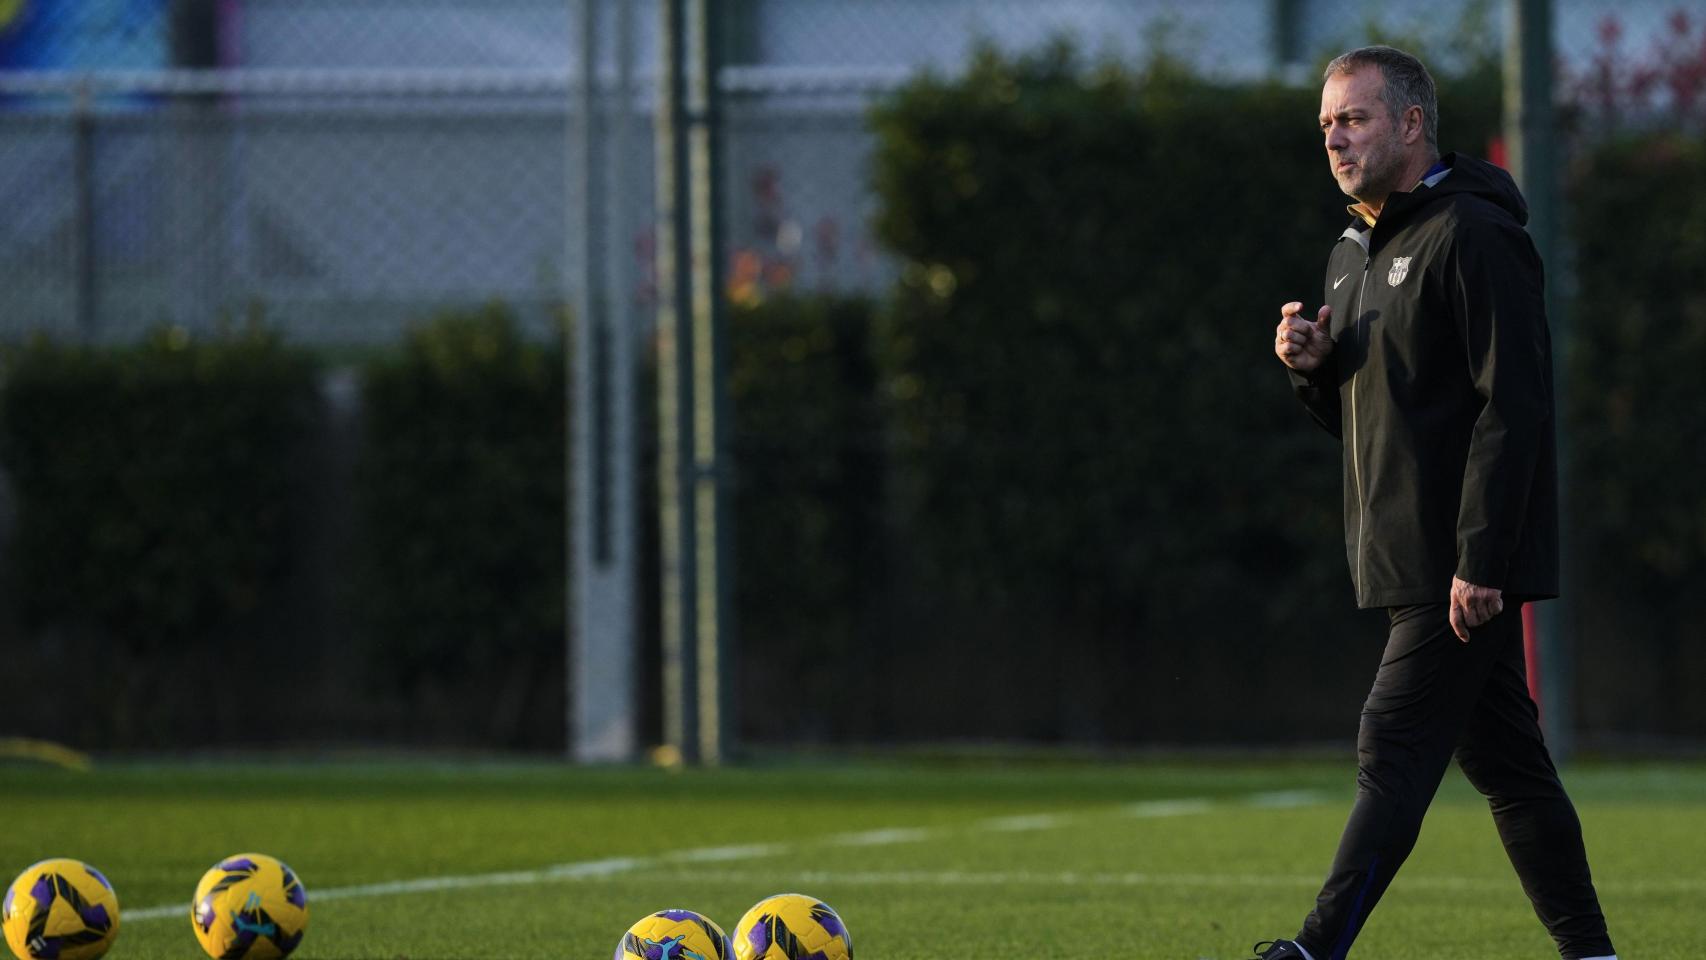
(1413, 123)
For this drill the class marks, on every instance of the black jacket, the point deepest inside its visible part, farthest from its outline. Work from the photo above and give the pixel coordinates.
(1440, 387)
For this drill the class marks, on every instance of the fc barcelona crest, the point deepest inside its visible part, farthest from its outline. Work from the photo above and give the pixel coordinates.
(1400, 270)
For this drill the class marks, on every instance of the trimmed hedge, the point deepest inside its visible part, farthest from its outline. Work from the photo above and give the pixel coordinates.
(1638, 352)
(157, 490)
(1108, 471)
(808, 513)
(1636, 496)
(459, 584)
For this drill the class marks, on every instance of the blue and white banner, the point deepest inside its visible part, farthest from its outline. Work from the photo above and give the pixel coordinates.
(84, 35)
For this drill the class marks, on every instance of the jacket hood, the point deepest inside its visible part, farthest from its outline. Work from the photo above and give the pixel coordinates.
(1482, 179)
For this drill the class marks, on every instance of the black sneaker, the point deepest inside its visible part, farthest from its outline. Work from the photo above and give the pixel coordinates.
(1278, 950)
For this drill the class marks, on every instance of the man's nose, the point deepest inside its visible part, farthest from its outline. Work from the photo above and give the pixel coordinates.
(1336, 139)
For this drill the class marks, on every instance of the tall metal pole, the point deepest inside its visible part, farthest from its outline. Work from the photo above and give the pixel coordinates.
(1287, 48)
(620, 227)
(710, 395)
(602, 721)
(197, 195)
(87, 273)
(1531, 142)
(678, 553)
(692, 401)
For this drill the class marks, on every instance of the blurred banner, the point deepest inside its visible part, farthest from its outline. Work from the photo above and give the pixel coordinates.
(84, 35)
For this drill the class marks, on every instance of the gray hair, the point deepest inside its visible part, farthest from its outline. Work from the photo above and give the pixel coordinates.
(1407, 84)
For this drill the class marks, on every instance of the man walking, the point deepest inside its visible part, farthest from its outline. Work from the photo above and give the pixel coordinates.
(1432, 362)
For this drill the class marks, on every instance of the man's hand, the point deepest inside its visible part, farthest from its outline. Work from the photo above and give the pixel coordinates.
(1472, 606)
(1300, 343)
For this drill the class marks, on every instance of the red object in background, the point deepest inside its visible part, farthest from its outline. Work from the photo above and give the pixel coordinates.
(1496, 153)
(1531, 650)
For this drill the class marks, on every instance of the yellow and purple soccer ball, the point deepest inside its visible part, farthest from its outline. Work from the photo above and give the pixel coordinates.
(60, 910)
(249, 907)
(674, 935)
(792, 926)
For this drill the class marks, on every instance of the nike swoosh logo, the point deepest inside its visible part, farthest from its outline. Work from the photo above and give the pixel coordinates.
(1339, 281)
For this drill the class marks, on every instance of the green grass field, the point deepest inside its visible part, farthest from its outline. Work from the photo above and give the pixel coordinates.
(1021, 859)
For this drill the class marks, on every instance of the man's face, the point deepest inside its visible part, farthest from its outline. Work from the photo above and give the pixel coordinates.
(1364, 147)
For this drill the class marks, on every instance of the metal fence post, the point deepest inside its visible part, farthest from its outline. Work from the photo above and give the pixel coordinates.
(1530, 137)
(709, 389)
(692, 406)
(676, 527)
(86, 278)
(603, 720)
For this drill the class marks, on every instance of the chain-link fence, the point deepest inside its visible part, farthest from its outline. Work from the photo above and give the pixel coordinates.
(337, 169)
(342, 168)
(336, 213)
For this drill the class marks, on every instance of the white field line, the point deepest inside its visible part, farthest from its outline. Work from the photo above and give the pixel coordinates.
(751, 851)
(598, 869)
(1035, 821)
(963, 878)
(880, 838)
(1166, 808)
(585, 870)
(1284, 799)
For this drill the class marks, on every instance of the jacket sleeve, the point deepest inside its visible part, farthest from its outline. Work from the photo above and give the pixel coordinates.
(1496, 293)
(1320, 395)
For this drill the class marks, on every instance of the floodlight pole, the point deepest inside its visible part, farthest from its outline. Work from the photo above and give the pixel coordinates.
(692, 398)
(715, 633)
(602, 720)
(197, 192)
(1531, 144)
(87, 274)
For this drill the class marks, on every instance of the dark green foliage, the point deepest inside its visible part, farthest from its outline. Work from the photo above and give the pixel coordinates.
(1093, 263)
(156, 490)
(1094, 260)
(1637, 499)
(154, 482)
(1109, 466)
(460, 490)
(807, 506)
(1638, 353)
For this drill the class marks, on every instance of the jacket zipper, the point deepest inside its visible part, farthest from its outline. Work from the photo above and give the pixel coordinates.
(1356, 453)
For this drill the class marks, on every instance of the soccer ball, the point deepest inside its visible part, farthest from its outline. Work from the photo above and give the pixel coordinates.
(60, 910)
(792, 926)
(249, 907)
(674, 935)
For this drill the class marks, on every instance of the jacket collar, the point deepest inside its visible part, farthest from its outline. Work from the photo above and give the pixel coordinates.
(1435, 174)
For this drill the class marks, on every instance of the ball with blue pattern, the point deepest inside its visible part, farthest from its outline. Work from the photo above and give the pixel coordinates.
(674, 935)
(792, 926)
(249, 907)
(60, 909)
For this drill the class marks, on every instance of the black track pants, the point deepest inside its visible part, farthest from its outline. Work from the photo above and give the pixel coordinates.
(1435, 695)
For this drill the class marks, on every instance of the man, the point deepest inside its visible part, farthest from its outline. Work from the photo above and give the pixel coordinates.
(1431, 361)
